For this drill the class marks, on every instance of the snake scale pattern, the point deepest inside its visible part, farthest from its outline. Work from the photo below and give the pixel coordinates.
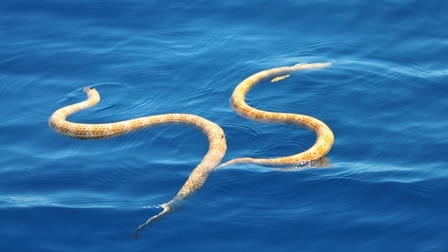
(325, 137)
(217, 142)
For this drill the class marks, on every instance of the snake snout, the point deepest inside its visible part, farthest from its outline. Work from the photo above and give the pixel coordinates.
(86, 89)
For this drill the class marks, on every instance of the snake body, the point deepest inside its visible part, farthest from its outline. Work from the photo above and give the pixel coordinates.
(217, 143)
(325, 137)
(215, 134)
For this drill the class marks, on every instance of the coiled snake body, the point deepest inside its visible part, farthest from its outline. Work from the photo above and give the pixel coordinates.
(217, 143)
(325, 137)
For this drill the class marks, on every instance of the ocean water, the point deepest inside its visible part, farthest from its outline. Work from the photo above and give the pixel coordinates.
(385, 96)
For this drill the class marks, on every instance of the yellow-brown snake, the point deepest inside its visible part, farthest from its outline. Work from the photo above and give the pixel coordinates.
(217, 143)
(325, 137)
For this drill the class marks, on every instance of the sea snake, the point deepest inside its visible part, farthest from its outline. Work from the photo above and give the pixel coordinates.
(325, 137)
(215, 134)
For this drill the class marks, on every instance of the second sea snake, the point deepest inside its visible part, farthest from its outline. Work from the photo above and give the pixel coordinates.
(325, 137)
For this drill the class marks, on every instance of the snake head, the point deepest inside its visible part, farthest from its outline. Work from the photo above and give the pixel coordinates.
(87, 89)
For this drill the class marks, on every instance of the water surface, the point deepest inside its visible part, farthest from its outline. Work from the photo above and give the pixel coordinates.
(384, 97)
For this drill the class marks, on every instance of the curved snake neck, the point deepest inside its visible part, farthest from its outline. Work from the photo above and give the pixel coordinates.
(325, 137)
(214, 133)
(217, 142)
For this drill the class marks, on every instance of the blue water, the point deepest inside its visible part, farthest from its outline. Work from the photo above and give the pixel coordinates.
(385, 97)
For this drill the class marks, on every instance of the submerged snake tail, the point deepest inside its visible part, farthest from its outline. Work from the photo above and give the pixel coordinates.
(172, 206)
(151, 220)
